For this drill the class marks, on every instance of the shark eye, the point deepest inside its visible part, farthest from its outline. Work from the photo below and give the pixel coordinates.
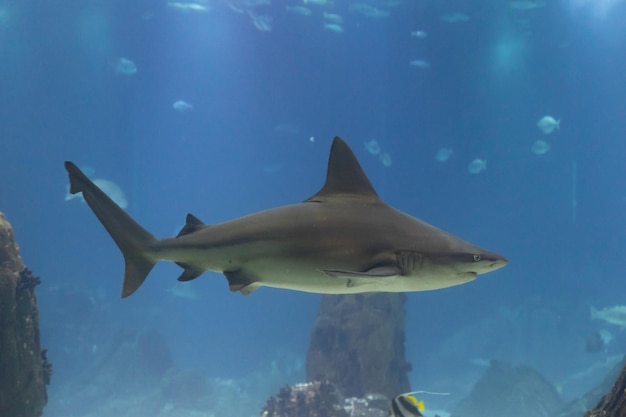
(476, 258)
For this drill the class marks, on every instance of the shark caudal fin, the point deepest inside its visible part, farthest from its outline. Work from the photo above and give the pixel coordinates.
(134, 241)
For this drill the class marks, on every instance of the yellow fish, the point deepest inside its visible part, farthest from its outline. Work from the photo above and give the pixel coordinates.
(406, 405)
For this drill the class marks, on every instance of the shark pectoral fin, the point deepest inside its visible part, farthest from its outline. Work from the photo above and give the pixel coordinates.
(239, 281)
(385, 271)
(189, 273)
(370, 276)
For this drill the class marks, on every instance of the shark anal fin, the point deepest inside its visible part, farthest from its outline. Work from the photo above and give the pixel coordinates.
(239, 281)
(192, 224)
(189, 273)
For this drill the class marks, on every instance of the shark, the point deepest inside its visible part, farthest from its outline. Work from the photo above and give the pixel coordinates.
(342, 240)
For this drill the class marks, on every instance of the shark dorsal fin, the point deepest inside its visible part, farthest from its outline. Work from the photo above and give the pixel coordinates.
(193, 224)
(344, 177)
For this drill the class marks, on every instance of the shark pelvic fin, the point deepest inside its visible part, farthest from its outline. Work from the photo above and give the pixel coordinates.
(239, 281)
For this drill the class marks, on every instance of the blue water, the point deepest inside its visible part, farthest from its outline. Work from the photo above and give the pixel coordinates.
(266, 105)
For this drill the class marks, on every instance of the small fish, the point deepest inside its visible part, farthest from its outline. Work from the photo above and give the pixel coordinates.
(125, 66)
(261, 21)
(333, 27)
(385, 159)
(420, 63)
(614, 315)
(182, 106)
(406, 405)
(477, 166)
(188, 7)
(369, 11)
(526, 4)
(455, 18)
(548, 124)
(419, 34)
(181, 290)
(287, 128)
(301, 10)
(443, 154)
(540, 147)
(389, 3)
(333, 18)
(110, 188)
(372, 147)
(249, 4)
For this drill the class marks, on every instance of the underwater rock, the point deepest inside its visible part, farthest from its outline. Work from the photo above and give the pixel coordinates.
(579, 406)
(507, 390)
(612, 404)
(134, 375)
(154, 355)
(24, 367)
(357, 343)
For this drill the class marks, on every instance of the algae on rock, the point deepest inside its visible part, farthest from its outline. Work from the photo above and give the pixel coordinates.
(24, 367)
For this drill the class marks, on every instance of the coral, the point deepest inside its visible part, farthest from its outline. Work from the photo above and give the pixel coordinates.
(46, 366)
(27, 280)
(312, 399)
(322, 399)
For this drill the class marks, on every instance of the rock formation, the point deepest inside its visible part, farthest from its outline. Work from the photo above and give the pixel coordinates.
(612, 404)
(24, 367)
(357, 344)
(507, 390)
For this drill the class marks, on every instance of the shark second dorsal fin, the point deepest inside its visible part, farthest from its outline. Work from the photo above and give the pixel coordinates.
(344, 177)
(193, 224)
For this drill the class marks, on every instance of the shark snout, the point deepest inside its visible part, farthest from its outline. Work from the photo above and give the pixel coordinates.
(487, 262)
(498, 262)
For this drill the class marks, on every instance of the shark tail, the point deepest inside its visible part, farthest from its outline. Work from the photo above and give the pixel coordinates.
(135, 242)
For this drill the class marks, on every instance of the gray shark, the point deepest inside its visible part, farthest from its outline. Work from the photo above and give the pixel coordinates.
(342, 240)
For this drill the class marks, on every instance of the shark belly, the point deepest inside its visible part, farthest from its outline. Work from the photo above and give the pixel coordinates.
(295, 266)
(302, 276)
